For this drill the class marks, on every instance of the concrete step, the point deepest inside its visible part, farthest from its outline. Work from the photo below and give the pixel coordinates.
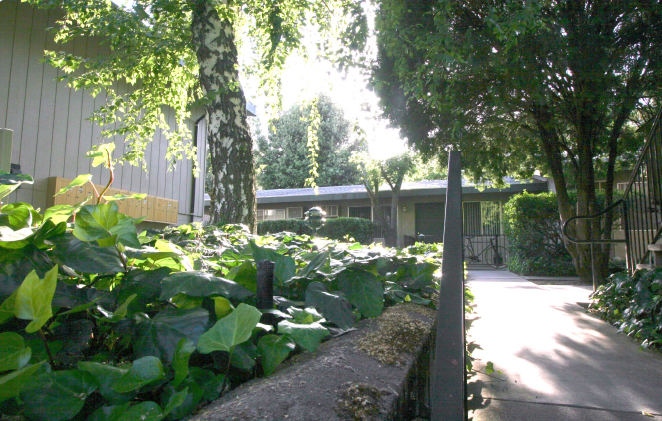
(646, 266)
(655, 247)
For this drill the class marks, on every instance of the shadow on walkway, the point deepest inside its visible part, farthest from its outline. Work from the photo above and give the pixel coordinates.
(557, 361)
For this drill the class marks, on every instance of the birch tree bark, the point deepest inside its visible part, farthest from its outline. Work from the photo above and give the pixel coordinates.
(228, 135)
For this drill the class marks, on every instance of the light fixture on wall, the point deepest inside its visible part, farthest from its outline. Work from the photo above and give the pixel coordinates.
(404, 209)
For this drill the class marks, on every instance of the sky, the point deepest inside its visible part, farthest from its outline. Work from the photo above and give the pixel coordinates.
(302, 80)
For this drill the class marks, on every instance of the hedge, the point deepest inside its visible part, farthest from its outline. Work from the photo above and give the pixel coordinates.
(361, 230)
(535, 241)
(341, 229)
(297, 226)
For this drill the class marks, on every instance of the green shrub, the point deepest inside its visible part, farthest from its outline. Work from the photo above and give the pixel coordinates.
(535, 241)
(297, 226)
(361, 230)
(633, 304)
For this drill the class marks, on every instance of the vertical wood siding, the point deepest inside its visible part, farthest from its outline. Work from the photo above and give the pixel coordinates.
(52, 130)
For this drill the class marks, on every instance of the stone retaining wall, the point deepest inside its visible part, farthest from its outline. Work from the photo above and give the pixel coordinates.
(378, 372)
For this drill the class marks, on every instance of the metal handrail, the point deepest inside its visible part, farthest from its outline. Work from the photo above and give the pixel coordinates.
(566, 224)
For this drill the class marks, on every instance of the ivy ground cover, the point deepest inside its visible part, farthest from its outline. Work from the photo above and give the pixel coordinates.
(100, 322)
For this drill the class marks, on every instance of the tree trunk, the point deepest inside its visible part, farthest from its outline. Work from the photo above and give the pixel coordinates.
(228, 136)
(393, 228)
(551, 146)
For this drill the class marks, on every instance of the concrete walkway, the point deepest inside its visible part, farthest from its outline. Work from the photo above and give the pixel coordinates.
(557, 361)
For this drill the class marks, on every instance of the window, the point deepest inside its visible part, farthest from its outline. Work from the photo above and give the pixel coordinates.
(294, 213)
(364, 212)
(331, 210)
(481, 218)
(270, 214)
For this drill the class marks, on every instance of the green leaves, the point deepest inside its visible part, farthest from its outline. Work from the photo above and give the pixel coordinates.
(33, 299)
(333, 306)
(308, 336)
(11, 384)
(201, 284)
(363, 290)
(57, 396)
(184, 349)
(159, 336)
(10, 182)
(273, 350)
(84, 256)
(103, 224)
(231, 330)
(105, 376)
(76, 182)
(13, 352)
(143, 371)
(102, 154)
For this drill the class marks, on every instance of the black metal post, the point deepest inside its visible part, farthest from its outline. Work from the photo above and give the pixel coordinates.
(265, 285)
(448, 397)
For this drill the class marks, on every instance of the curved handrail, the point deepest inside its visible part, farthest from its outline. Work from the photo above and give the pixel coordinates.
(598, 241)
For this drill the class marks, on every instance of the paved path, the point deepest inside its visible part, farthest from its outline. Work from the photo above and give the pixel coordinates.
(558, 362)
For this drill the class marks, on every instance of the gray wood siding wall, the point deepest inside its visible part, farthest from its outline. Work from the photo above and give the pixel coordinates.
(49, 120)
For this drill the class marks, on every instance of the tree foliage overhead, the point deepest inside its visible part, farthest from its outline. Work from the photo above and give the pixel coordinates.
(175, 56)
(521, 85)
(283, 157)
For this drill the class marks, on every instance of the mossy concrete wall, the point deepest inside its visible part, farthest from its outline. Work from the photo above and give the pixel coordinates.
(377, 372)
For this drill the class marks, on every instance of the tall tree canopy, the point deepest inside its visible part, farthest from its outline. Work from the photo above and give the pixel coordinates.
(283, 158)
(181, 54)
(522, 85)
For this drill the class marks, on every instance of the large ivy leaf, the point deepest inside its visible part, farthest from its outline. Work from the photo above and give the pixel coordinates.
(144, 411)
(57, 396)
(143, 371)
(245, 275)
(7, 307)
(363, 290)
(305, 316)
(285, 269)
(10, 182)
(243, 356)
(285, 266)
(160, 335)
(181, 403)
(201, 284)
(308, 336)
(17, 215)
(11, 384)
(185, 347)
(173, 401)
(334, 307)
(109, 413)
(104, 224)
(210, 383)
(416, 275)
(231, 330)
(263, 253)
(273, 349)
(84, 256)
(76, 182)
(315, 264)
(105, 375)
(33, 300)
(13, 352)
(146, 284)
(62, 213)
